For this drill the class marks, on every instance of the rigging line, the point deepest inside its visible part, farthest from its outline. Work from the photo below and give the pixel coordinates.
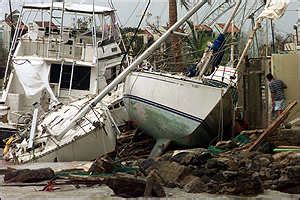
(111, 4)
(250, 11)
(243, 16)
(208, 10)
(169, 58)
(133, 11)
(136, 31)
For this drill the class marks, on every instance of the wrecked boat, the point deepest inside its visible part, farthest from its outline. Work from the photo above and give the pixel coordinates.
(189, 111)
(69, 54)
(85, 141)
(173, 108)
(66, 52)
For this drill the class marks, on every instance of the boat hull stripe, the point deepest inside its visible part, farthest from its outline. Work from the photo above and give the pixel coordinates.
(146, 101)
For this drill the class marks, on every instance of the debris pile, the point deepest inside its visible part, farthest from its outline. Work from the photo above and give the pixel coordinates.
(134, 145)
(246, 165)
(232, 170)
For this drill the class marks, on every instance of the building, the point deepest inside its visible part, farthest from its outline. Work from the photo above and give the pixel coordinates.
(231, 29)
(204, 28)
(5, 35)
(6, 27)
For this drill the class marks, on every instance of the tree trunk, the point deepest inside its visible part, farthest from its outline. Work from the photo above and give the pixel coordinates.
(176, 47)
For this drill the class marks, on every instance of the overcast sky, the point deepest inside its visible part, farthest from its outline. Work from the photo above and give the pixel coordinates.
(129, 11)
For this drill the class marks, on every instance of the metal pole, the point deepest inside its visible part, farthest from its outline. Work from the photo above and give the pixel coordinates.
(232, 16)
(33, 125)
(60, 78)
(208, 56)
(130, 68)
(250, 40)
(10, 54)
(71, 80)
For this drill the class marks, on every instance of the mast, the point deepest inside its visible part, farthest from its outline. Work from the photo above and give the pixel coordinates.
(129, 69)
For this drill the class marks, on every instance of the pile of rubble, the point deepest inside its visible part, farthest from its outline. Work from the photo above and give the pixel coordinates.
(234, 173)
(246, 165)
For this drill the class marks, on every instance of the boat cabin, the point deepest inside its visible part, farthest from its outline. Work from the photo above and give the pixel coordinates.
(79, 45)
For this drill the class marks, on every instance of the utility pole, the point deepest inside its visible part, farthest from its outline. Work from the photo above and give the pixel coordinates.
(273, 37)
(298, 27)
(12, 32)
(297, 36)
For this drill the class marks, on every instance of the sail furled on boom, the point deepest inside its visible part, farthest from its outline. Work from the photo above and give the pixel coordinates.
(218, 50)
(274, 9)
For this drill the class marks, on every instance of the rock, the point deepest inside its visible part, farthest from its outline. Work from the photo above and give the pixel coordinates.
(185, 180)
(102, 165)
(127, 186)
(147, 164)
(199, 171)
(280, 156)
(244, 185)
(183, 158)
(153, 185)
(28, 175)
(213, 187)
(293, 172)
(266, 147)
(194, 157)
(213, 163)
(226, 144)
(195, 186)
(229, 175)
(172, 172)
(294, 159)
(264, 161)
(285, 137)
(201, 158)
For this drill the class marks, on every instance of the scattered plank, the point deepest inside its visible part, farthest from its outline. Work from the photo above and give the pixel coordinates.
(273, 126)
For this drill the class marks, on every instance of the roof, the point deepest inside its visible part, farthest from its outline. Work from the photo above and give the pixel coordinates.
(203, 27)
(70, 7)
(47, 23)
(10, 23)
(229, 30)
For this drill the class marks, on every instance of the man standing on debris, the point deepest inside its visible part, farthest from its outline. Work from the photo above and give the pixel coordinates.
(277, 93)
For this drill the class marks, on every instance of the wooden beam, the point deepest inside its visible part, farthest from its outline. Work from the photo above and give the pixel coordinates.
(272, 127)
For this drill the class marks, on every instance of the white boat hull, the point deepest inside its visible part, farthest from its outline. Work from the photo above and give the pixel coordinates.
(86, 148)
(92, 136)
(183, 111)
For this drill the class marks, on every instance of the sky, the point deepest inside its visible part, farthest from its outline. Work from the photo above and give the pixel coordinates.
(130, 11)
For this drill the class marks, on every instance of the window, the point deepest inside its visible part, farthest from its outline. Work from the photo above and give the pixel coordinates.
(81, 76)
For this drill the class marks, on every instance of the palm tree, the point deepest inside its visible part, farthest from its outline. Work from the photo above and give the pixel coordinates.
(176, 47)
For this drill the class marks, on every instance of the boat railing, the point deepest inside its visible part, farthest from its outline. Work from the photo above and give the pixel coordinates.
(45, 49)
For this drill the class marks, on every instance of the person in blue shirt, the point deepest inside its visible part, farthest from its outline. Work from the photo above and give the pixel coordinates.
(277, 88)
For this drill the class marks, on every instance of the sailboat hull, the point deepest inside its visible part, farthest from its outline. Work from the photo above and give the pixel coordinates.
(92, 136)
(186, 112)
(84, 148)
